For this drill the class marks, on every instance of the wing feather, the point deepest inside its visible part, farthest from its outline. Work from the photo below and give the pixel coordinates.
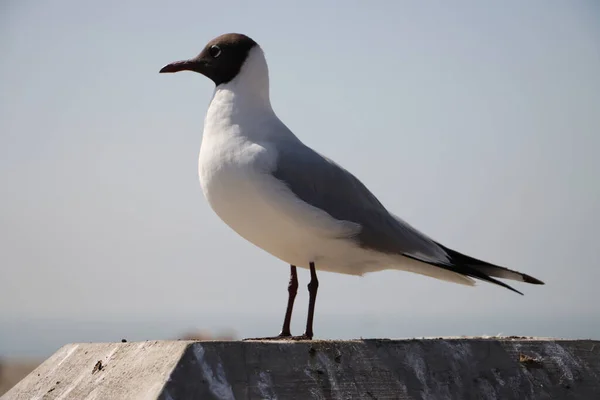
(322, 183)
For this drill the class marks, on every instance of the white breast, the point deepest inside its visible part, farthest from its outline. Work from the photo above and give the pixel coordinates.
(236, 180)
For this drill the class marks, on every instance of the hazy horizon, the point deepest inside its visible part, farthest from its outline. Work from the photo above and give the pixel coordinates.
(58, 332)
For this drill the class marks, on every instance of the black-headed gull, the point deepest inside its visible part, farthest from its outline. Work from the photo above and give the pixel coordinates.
(294, 203)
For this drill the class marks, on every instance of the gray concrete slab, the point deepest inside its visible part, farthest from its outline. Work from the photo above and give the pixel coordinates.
(450, 368)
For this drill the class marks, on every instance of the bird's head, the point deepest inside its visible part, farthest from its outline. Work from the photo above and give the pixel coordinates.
(221, 59)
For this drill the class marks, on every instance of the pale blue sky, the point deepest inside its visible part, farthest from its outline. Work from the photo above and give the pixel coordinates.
(477, 122)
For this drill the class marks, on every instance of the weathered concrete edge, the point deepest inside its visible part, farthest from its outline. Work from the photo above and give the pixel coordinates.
(89, 359)
(453, 368)
(160, 384)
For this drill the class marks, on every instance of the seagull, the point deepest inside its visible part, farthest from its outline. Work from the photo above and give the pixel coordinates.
(296, 204)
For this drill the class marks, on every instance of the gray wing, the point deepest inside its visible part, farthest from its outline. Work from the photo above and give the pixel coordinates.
(322, 183)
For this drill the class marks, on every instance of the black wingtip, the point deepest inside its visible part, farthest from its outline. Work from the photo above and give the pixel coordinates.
(500, 283)
(532, 280)
(467, 270)
(515, 290)
(461, 259)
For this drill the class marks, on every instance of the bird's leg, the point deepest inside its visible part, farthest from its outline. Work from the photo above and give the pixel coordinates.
(313, 286)
(292, 291)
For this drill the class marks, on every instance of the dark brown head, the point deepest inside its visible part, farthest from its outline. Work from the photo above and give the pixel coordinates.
(221, 59)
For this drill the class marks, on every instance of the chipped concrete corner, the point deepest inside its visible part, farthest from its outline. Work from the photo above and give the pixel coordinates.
(492, 368)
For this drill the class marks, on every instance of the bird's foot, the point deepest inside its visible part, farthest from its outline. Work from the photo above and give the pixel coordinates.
(300, 338)
(281, 336)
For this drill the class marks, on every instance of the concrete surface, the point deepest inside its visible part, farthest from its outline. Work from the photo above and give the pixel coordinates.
(471, 368)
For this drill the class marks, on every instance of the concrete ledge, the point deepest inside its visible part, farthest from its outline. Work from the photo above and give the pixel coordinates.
(472, 368)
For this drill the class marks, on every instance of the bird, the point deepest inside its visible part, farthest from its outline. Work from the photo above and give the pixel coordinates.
(296, 204)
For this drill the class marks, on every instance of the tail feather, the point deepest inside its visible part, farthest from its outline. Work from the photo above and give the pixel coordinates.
(467, 271)
(490, 269)
(482, 270)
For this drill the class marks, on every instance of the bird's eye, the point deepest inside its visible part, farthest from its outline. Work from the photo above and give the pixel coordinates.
(214, 51)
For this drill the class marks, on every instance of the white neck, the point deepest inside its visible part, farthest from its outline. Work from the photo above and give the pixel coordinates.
(247, 93)
(241, 107)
